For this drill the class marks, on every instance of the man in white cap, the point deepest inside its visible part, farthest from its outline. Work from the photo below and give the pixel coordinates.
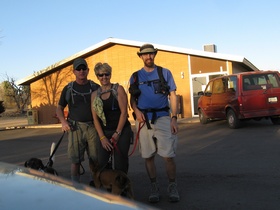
(151, 88)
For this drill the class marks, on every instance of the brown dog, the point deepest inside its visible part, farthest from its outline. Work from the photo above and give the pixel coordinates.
(115, 181)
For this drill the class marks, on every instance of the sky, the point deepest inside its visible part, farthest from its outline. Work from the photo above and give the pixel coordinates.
(35, 34)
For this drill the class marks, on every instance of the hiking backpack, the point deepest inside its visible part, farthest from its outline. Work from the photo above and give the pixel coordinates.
(134, 88)
(114, 91)
(69, 93)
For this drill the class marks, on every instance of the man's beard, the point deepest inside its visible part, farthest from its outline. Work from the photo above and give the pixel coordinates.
(149, 63)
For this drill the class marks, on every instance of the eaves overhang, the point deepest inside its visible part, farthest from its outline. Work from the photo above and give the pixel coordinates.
(113, 41)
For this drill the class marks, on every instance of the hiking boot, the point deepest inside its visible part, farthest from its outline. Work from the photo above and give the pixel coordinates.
(154, 196)
(173, 192)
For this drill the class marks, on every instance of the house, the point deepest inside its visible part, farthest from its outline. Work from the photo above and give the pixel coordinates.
(192, 69)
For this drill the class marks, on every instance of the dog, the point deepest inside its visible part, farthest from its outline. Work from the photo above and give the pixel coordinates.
(114, 181)
(37, 164)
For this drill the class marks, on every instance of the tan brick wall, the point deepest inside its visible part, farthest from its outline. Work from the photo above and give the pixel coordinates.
(178, 63)
(124, 61)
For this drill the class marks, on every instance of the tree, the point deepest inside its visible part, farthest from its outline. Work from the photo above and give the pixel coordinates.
(2, 108)
(20, 94)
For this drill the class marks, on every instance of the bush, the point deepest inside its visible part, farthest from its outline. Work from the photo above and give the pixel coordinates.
(2, 108)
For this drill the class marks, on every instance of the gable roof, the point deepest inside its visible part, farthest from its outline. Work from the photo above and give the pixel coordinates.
(112, 41)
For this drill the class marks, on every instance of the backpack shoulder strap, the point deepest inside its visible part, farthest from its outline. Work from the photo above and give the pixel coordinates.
(115, 90)
(134, 87)
(164, 86)
(70, 85)
(135, 78)
(160, 74)
(98, 94)
(69, 94)
(94, 86)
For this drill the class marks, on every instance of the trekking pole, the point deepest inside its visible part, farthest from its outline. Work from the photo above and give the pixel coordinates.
(50, 163)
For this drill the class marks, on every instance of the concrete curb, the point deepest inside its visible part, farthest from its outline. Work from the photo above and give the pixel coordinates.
(30, 126)
(180, 121)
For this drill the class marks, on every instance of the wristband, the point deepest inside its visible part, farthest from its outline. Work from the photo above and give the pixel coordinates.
(174, 117)
(103, 137)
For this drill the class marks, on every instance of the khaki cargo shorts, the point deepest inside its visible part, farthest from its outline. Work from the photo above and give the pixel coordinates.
(82, 140)
(158, 140)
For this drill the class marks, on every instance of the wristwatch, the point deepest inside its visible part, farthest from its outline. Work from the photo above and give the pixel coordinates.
(174, 117)
(117, 132)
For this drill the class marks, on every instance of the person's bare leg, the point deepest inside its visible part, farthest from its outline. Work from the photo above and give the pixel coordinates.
(150, 167)
(93, 168)
(75, 176)
(170, 168)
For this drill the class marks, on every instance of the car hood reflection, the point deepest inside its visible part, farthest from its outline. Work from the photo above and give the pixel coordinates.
(23, 188)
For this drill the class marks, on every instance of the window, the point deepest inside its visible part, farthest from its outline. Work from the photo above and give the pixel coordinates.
(219, 86)
(261, 81)
(208, 89)
(231, 83)
(272, 80)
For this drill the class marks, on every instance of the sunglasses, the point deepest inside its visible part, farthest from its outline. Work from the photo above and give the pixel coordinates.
(105, 74)
(81, 68)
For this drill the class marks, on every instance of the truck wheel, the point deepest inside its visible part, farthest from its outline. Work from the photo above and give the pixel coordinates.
(233, 121)
(202, 117)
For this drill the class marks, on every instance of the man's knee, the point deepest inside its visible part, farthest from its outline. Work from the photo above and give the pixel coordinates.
(150, 159)
(169, 159)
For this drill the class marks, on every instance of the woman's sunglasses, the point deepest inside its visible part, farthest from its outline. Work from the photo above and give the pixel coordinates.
(105, 74)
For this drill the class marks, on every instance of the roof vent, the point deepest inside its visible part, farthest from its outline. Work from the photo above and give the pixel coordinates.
(210, 48)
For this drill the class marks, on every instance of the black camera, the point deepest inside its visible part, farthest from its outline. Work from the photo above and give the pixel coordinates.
(165, 89)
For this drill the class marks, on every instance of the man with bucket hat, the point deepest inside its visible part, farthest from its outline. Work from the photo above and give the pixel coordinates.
(151, 89)
(146, 49)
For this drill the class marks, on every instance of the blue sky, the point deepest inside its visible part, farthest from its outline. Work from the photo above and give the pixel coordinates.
(36, 33)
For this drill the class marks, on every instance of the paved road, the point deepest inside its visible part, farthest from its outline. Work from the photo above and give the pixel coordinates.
(218, 168)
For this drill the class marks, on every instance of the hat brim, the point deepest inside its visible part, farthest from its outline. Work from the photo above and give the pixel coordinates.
(147, 50)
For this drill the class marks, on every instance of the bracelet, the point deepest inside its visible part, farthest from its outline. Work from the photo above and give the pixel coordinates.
(174, 117)
(103, 137)
(117, 132)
